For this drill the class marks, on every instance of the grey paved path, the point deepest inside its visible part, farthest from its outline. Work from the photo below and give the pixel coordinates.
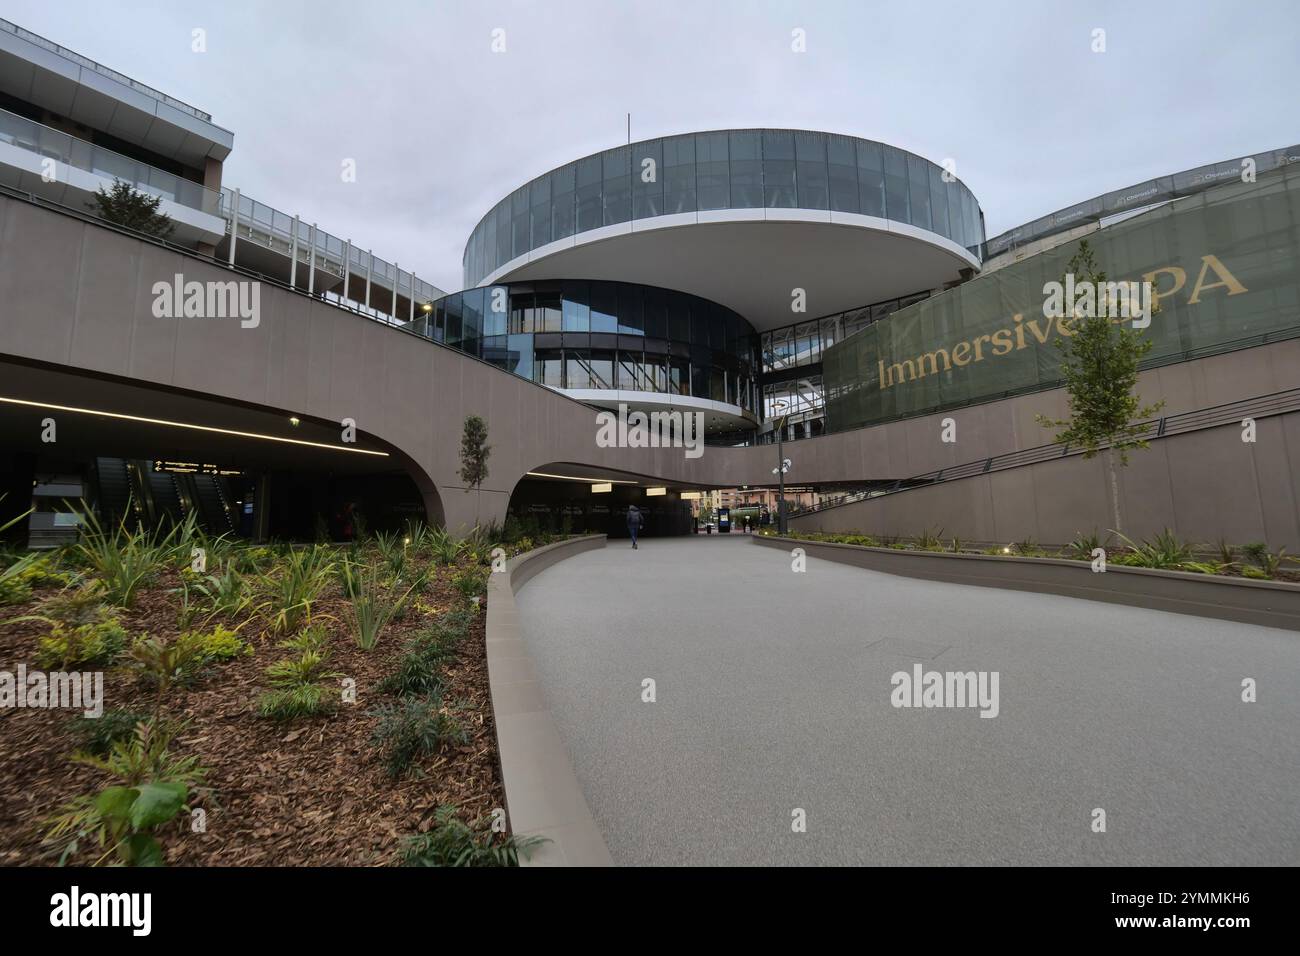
(774, 694)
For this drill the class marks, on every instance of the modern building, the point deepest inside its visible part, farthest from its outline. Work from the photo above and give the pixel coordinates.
(833, 292)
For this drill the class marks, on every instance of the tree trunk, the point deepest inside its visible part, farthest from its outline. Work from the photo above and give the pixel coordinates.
(1114, 487)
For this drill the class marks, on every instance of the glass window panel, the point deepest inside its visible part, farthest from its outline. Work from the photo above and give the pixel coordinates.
(746, 170)
(843, 168)
(577, 312)
(871, 178)
(711, 170)
(631, 314)
(489, 243)
(939, 191)
(778, 169)
(519, 242)
(548, 310)
(810, 157)
(577, 372)
(452, 314)
(496, 310)
(656, 313)
(618, 185)
(471, 320)
(679, 318)
(548, 367)
(503, 233)
(519, 355)
(562, 202)
(679, 174)
(679, 376)
(521, 313)
(647, 164)
(699, 379)
(604, 307)
(897, 206)
(601, 369)
(589, 178)
(918, 191)
(540, 193)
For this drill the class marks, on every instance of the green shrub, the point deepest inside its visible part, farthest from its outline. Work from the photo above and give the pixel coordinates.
(122, 819)
(452, 843)
(41, 573)
(1081, 548)
(227, 591)
(929, 540)
(443, 546)
(412, 728)
(374, 606)
(471, 581)
(162, 662)
(301, 700)
(419, 672)
(124, 560)
(75, 607)
(14, 590)
(1162, 551)
(296, 585)
(97, 735)
(87, 644)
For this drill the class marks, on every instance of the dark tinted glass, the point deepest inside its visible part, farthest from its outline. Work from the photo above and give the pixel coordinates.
(540, 192)
(918, 191)
(679, 174)
(746, 170)
(778, 169)
(589, 178)
(843, 169)
(871, 179)
(647, 180)
(897, 205)
(562, 201)
(618, 185)
(711, 171)
(810, 173)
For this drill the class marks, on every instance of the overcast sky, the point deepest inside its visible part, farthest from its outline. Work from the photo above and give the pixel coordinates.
(441, 127)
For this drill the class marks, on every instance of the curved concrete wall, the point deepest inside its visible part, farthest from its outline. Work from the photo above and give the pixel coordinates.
(1204, 485)
(79, 296)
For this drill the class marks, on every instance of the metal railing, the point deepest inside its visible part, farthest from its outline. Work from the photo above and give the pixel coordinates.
(102, 70)
(1276, 403)
(32, 137)
(273, 229)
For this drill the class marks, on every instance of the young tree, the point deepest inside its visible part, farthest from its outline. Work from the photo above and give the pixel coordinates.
(123, 205)
(474, 452)
(1100, 365)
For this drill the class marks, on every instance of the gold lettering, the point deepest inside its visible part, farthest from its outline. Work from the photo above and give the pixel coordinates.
(1226, 279)
(934, 362)
(1180, 277)
(961, 353)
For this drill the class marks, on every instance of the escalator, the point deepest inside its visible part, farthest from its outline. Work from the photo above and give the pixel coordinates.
(167, 504)
(212, 502)
(115, 491)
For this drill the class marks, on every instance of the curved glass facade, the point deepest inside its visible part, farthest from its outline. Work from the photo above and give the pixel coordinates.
(579, 334)
(725, 169)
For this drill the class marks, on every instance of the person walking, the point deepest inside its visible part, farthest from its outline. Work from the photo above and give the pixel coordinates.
(634, 522)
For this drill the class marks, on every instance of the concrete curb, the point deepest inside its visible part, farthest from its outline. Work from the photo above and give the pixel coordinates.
(543, 797)
(1268, 603)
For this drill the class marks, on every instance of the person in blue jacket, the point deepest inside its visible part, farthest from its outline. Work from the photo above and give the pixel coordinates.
(634, 522)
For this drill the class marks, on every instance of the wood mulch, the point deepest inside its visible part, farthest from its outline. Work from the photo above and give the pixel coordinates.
(310, 792)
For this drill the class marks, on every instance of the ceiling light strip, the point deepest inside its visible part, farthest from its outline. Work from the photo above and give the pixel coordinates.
(201, 428)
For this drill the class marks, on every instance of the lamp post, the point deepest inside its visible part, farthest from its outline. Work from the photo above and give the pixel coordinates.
(782, 466)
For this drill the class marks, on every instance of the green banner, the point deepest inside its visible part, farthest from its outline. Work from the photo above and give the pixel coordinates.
(1225, 269)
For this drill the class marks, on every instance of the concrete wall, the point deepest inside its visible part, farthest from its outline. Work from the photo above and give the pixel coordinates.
(1203, 485)
(79, 296)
